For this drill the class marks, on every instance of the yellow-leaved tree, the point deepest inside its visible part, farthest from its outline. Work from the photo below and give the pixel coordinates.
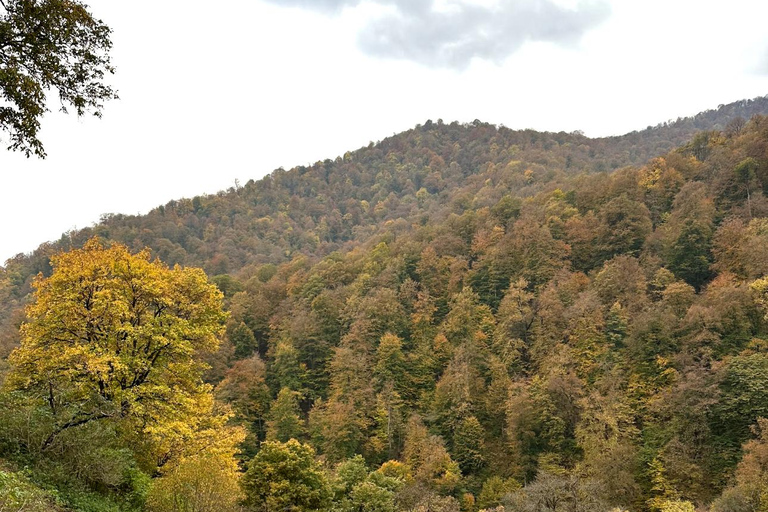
(114, 338)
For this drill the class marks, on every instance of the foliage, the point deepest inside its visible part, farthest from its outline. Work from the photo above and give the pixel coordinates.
(285, 421)
(494, 490)
(553, 493)
(111, 337)
(446, 313)
(285, 475)
(18, 494)
(206, 482)
(50, 44)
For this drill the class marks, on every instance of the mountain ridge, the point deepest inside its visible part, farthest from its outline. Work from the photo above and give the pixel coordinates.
(603, 153)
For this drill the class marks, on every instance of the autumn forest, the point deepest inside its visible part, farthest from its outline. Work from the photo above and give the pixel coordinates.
(460, 317)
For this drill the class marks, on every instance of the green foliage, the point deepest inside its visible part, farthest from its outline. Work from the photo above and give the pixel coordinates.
(625, 224)
(18, 494)
(284, 420)
(744, 397)
(227, 284)
(468, 441)
(244, 341)
(350, 473)
(286, 475)
(369, 497)
(689, 256)
(494, 490)
(67, 51)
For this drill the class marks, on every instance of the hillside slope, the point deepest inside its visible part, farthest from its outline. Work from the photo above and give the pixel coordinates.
(491, 309)
(319, 209)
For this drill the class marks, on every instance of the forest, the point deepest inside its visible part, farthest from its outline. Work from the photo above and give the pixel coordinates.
(460, 317)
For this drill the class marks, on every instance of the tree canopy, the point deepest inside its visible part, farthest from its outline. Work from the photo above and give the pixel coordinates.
(50, 45)
(112, 336)
(459, 317)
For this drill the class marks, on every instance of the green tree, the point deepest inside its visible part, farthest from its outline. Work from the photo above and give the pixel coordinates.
(244, 341)
(625, 224)
(369, 497)
(494, 489)
(468, 440)
(689, 256)
(745, 174)
(391, 366)
(49, 45)
(350, 473)
(743, 398)
(750, 491)
(616, 325)
(358, 490)
(285, 421)
(285, 476)
(286, 370)
(515, 317)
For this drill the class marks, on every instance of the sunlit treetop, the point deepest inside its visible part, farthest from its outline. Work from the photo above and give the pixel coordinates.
(116, 336)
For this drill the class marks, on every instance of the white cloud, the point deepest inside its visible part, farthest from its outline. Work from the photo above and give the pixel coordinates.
(450, 34)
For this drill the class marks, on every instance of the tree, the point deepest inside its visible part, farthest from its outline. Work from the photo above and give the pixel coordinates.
(555, 493)
(285, 476)
(357, 490)
(244, 341)
(285, 421)
(745, 173)
(245, 390)
(750, 491)
(112, 337)
(468, 445)
(494, 489)
(624, 226)
(369, 497)
(427, 458)
(689, 255)
(677, 506)
(350, 473)
(742, 396)
(207, 482)
(391, 369)
(45, 45)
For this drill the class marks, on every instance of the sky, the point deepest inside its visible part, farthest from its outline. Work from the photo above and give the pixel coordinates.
(211, 93)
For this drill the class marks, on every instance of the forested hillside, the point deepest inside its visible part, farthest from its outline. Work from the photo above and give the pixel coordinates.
(470, 317)
(322, 208)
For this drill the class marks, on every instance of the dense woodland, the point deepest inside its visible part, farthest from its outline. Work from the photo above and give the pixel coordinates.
(459, 317)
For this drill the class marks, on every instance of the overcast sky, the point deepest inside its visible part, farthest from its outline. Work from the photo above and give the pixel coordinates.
(214, 92)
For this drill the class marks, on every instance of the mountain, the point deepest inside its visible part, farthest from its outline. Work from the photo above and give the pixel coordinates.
(533, 307)
(320, 204)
